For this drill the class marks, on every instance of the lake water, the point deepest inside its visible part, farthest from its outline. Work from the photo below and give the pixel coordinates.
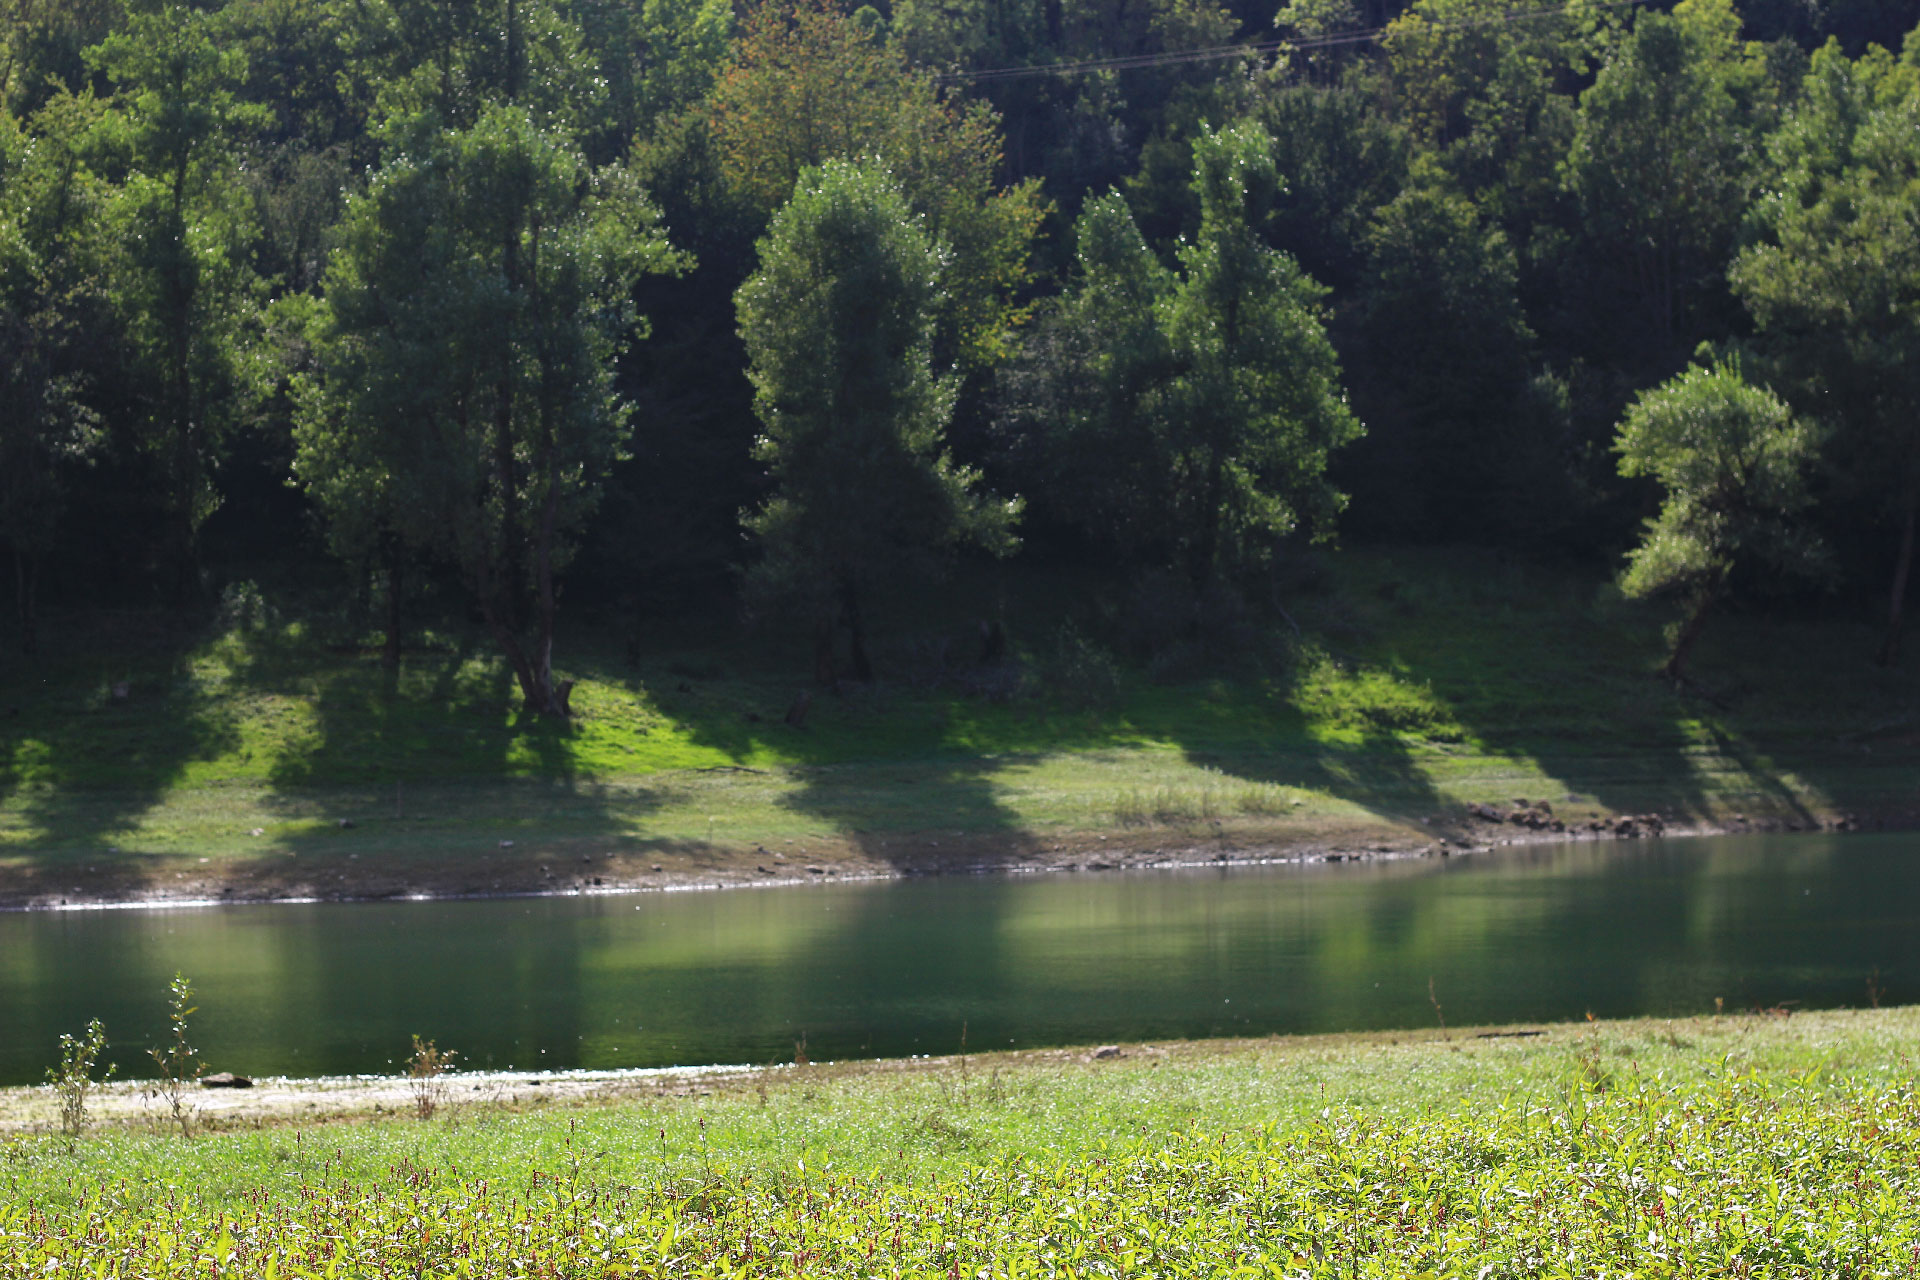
(901, 967)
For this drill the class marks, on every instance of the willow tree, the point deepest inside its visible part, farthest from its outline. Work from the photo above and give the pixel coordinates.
(465, 404)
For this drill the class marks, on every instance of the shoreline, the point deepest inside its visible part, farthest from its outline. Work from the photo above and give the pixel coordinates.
(177, 881)
(134, 1106)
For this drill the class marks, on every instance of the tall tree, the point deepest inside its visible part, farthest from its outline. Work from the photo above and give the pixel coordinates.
(839, 328)
(1456, 441)
(1191, 412)
(806, 84)
(1733, 462)
(1662, 161)
(466, 405)
(51, 308)
(1833, 279)
(186, 290)
(1078, 403)
(1254, 407)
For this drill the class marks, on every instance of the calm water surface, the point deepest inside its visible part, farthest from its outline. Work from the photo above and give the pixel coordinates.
(901, 967)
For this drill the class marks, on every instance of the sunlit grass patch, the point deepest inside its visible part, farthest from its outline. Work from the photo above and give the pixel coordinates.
(1711, 1147)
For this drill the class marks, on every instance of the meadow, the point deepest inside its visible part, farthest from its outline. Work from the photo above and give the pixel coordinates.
(1753, 1144)
(1417, 683)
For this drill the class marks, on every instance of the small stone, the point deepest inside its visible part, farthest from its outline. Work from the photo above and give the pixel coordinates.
(506, 844)
(1108, 1051)
(225, 1080)
(257, 831)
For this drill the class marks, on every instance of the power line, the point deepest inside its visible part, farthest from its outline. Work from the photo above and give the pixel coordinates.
(1217, 53)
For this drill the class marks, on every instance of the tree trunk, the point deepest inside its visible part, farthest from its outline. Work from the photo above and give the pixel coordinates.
(26, 583)
(856, 636)
(823, 665)
(1676, 668)
(552, 700)
(390, 651)
(1902, 569)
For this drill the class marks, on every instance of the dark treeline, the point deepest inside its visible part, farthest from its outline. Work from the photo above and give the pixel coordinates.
(681, 307)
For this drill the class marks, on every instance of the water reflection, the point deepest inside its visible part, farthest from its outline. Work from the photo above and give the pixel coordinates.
(903, 967)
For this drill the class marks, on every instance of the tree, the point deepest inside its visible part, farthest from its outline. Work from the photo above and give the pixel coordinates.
(1192, 413)
(50, 305)
(1733, 461)
(1254, 408)
(839, 328)
(1455, 442)
(1833, 279)
(1077, 404)
(1661, 162)
(465, 405)
(806, 85)
(185, 289)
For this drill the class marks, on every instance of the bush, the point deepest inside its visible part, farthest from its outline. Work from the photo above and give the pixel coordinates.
(1080, 672)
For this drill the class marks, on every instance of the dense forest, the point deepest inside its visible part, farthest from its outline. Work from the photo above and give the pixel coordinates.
(683, 308)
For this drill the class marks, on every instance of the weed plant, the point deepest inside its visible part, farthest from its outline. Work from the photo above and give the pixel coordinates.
(427, 1072)
(72, 1080)
(178, 1061)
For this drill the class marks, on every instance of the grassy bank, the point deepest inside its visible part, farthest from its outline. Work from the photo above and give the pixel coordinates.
(1421, 682)
(1719, 1146)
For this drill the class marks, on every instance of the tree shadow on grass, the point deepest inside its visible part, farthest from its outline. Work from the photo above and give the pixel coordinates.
(81, 767)
(436, 760)
(1547, 669)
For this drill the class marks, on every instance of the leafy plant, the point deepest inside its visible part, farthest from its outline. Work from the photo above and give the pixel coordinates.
(179, 1062)
(73, 1079)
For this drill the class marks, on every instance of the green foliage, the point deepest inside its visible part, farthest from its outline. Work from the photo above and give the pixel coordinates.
(184, 285)
(1187, 415)
(1506, 220)
(52, 257)
(1833, 279)
(806, 84)
(1733, 462)
(1456, 433)
(465, 403)
(177, 1061)
(1661, 163)
(72, 1077)
(1714, 1146)
(839, 329)
(1339, 158)
(454, 59)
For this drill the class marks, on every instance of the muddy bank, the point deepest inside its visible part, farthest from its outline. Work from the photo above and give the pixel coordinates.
(530, 867)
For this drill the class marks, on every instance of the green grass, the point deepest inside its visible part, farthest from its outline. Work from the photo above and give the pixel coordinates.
(1712, 1147)
(1426, 680)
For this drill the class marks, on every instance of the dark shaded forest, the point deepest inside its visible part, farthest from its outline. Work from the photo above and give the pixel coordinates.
(668, 308)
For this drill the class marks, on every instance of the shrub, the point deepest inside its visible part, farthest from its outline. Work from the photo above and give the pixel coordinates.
(73, 1079)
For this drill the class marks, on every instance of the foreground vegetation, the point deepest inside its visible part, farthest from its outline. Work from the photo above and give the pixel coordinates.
(1420, 682)
(1746, 1145)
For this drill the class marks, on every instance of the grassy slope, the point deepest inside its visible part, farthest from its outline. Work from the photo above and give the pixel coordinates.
(1432, 679)
(1712, 1146)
